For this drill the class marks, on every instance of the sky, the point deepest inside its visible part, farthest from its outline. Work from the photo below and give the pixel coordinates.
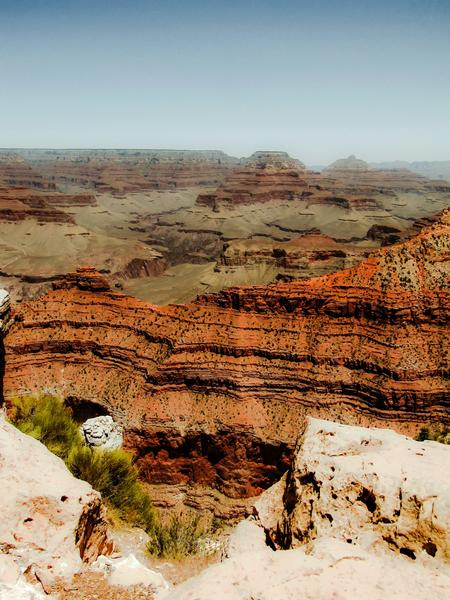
(321, 79)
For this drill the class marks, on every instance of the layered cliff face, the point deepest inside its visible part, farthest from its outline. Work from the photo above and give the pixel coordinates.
(260, 180)
(135, 216)
(213, 392)
(17, 204)
(16, 172)
(128, 172)
(310, 255)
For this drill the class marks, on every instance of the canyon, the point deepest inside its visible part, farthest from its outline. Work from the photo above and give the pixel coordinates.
(211, 394)
(301, 296)
(166, 226)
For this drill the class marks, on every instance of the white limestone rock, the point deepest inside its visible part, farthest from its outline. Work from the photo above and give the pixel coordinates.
(50, 522)
(102, 432)
(127, 571)
(371, 487)
(330, 569)
(362, 513)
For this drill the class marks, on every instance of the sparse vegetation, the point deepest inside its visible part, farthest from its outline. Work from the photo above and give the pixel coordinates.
(110, 472)
(437, 434)
(47, 419)
(177, 538)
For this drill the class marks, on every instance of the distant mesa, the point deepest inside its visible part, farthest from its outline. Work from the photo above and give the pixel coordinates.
(351, 163)
(267, 158)
(263, 177)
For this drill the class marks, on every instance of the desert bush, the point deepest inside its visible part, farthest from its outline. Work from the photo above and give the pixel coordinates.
(110, 472)
(47, 419)
(438, 434)
(177, 538)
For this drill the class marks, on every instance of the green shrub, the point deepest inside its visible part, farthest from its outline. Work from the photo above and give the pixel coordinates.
(110, 472)
(47, 419)
(176, 539)
(438, 434)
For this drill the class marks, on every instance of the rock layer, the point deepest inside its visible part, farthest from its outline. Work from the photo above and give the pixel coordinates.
(213, 392)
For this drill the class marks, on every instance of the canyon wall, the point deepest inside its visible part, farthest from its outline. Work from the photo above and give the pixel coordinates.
(213, 392)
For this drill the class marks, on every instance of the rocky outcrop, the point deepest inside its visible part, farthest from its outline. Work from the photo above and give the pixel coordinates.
(367, 487)
(262, 158)
(5, 312)
(310, 255)
(102, 432)
(351, 163)
(329, 569)
(51, 522)
(19, 203)
(143, 267)
(212, 393)
(360, 513)
(264, 178)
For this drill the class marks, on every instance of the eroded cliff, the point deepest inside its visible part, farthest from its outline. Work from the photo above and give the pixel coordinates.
(213, 392)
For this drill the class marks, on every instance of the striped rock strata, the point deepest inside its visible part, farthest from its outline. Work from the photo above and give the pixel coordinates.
(213, 393)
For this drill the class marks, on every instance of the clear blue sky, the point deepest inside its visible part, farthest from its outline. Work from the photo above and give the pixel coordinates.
(320, 79)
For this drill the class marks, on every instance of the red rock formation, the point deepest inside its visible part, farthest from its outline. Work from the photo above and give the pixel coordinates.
(119, 174)
(348, 183)
(18, 203)
(260, 180)
(16, 172)
(213, 392)
(309, 255)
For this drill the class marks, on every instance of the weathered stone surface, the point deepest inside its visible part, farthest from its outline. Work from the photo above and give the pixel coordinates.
(329, 569)
(352, 498)
(370, 487)
(5, 312)
(102, 432)
(128, 571)
(51, 522)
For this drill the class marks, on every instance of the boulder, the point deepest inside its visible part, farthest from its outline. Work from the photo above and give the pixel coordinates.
(371, 487)
(102, 432)
(128, 571)
(361, 513)
(51, 522)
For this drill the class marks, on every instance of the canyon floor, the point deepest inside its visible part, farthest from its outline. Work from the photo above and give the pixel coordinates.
(167, 227)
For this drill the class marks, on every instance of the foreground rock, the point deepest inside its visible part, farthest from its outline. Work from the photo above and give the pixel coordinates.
(51, 522)
(370, 487)
(128, 571)
(329, 570)
(361, 514)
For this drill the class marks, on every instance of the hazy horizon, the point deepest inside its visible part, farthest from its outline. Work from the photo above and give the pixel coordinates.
(319, 80)
(148, 149)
